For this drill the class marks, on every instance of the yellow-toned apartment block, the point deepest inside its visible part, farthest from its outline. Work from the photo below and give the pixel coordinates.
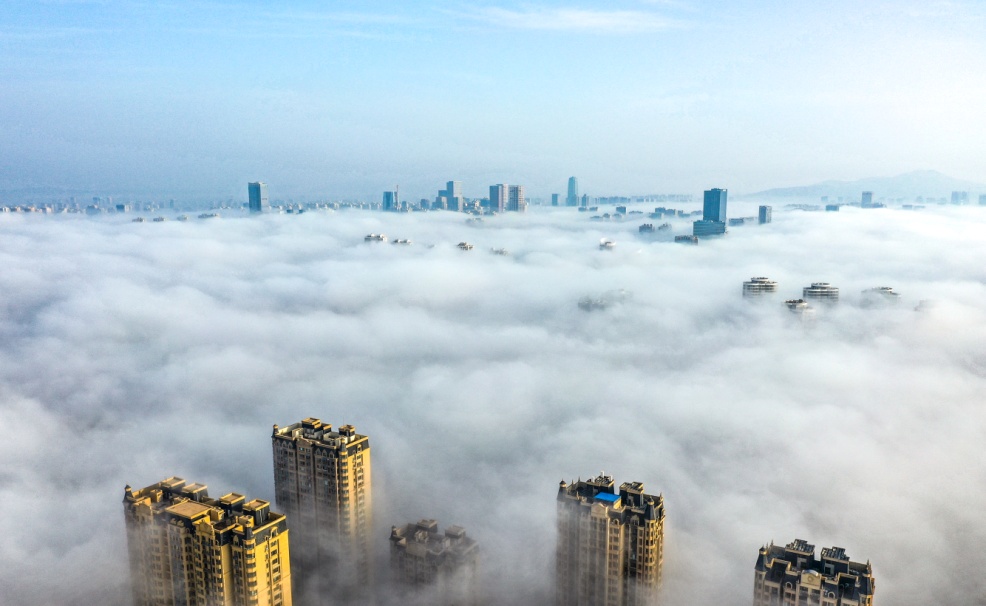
(610, 545)
(322, 482)
(186, 548)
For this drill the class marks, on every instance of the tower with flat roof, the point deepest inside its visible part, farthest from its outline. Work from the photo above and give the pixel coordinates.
(610, 544)
(258, 200)
(433, 565)
(498, 198)
(792, 575)
(322, 480)
(186, 548)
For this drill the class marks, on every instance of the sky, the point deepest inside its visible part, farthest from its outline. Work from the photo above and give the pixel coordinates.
(347, 99)
(131, 352)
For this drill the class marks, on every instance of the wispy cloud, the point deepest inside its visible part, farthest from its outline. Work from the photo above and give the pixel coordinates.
(573, 19)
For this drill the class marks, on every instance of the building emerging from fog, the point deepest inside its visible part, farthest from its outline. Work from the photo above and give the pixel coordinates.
(516, 201)
(186, 548)
(755, 287)
(821, 291)
(572, 199)
(258, 200)
(764, 215)
(713, 221)
(610, 545)
(792, 576)
(440, 565)
(322, 483)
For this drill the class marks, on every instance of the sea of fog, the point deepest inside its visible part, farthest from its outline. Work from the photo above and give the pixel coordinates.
(130, 352)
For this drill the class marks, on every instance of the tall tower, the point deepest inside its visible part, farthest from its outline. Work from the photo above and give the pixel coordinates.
(714, 205)
(258, 197)
(516, 201)
(188, 549)
(610, 546)
(573, 192)
(322, 482)
(792, 575)
(498, 198)
(440, 567)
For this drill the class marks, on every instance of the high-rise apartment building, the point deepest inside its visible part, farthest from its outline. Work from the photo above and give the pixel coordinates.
(764, 215)
(791, 576)
(866, 201)
(554, 199)
(322, 482)
(442, 566)
(498, 198)
(191, 550)
(610, 545)
(516, 202)
(258, 200)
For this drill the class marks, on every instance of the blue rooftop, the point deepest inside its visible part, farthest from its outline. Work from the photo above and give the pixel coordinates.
(607, 497)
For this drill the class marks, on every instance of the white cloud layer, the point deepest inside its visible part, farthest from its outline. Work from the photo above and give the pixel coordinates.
(131, 352)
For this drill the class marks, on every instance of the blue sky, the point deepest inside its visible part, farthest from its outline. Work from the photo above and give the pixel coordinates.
(348, 98)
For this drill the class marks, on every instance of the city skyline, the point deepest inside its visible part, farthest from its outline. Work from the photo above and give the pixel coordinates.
(143, 99)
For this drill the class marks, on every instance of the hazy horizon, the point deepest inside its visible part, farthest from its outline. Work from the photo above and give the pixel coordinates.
(345, 100)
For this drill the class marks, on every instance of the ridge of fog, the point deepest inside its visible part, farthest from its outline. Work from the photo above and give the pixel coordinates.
(135, 351)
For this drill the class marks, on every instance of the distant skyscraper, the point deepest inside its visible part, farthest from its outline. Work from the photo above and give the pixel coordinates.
(573, 192)
(390, 202)
(610, 546)
(982, 199)
(867, 199)
(516, 201)
(498, 198)
(554, 199)
(258, 197)
(960, 197)
(322, 482)
(714, 205)
(792, 576)
(451, 197)
(442, 566)
(713, 221)
(764, 215)
(190, 550)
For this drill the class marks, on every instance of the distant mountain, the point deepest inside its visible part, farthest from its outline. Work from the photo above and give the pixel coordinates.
(927, 183)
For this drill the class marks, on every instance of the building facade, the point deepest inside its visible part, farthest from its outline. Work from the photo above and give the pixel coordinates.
(821, 291)
(610, 545)
(498, 198)
(439, 567)
(516, 202)
(191, 550)
(792, 576)
(322, 482)
(572, 199)
(257, 196)
(714, 205)
(754, 287)
(764, 215)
